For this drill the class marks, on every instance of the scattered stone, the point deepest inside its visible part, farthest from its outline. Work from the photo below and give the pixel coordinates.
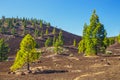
(39, 61)
(71, 55)
(13, 72)
(108, 63)
(23, 73)
(29, 71)
(102, 60)
(9, 72)
(33, 72)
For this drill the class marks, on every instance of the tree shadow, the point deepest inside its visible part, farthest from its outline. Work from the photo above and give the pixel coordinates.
(50, 71)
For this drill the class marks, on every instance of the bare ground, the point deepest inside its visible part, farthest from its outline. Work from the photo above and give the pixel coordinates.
(62, 67)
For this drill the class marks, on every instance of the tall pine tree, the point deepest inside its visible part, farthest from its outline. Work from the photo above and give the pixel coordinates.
(4, 49)
(26, 54)
(93, 36)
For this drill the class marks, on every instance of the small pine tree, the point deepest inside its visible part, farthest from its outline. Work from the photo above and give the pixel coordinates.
(81, 46)
(13, 31)
(54, 31)
(48, 42)
(111, 40)
(24, 31)
(58, 43)
(54, 40)
(41, 23)
(4, 49)
(2, 29)
(118, 38)
(10, 25)
(36, 32)
(56, 46)
(24, 23)
(60, 38)
(74, 42)
(41, 34)
(46, 31)
(26, 54)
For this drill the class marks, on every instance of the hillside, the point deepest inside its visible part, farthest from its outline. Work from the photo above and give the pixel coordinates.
(69, 65)
(14, 29)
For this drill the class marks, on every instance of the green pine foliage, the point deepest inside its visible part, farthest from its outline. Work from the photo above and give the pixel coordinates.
(41, 23)
(36, 33)
(54, 31)
(13, 31)
(74, 42)
(2, 29)
(94, 35)
(24, 26)
(26, 54)
(58, 43)
(41, 34)
(106, 42)
(56, 46)
(81, 46)
(4, 49)
(24, 31)
(48, 42)
(54, 40)
(118, 38)
(111, 40)
(60, 38)
(46, 32)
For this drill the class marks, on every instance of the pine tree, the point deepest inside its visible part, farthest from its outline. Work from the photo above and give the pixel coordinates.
(56, 46)
(58, 43)
(74, 42)
(13, 31)
(24, 31)
(41, 23)
(36, 32)
(41, 34)
(106, 42)
(2, 29)
(54, 40)
(54, 31)
(48, 42)
(111, 40)
(3, 19)
(26, 54)
(60, 38)
(81, 46)
(10, 25)
(93, 36)
(118, 38)
(46, 31)
(4, 49)
(24, 23)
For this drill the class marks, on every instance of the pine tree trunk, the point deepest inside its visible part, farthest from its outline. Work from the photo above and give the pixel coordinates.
(28, 66)
(1, 57)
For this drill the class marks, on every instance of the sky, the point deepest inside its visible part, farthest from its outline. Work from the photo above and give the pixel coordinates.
(69, 15)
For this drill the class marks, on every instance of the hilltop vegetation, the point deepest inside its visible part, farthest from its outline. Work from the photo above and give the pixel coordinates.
(12, 30)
